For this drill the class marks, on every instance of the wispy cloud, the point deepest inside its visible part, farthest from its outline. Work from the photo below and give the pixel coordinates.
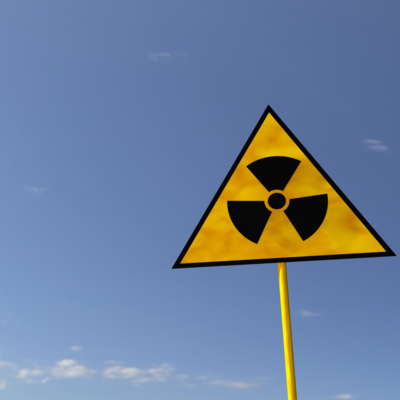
(164, 372)
(344, 396)
(162, 55)
(7, 364)
(35, 191)
(61, 369)
(76, 348)
(375, 145)
(166, 56)
(26, 373)
(137, 375)
(69, 369)
(233, 384)
(188, 381)
(306, 313)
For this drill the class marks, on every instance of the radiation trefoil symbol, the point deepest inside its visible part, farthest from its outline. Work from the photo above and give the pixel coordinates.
(305, 213)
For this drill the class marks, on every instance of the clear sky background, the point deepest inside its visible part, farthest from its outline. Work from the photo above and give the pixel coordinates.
(119, 120)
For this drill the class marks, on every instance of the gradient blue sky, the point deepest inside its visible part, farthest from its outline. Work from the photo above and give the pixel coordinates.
(119, 120)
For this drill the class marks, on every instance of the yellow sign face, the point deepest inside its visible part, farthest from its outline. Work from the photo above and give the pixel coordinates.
(278, 205)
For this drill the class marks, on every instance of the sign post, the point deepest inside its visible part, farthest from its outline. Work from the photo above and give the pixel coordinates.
(287, 332)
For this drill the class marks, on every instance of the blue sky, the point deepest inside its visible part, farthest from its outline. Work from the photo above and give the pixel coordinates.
(119, 120)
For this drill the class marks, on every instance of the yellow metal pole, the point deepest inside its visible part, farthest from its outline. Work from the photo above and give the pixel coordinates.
(287, 332)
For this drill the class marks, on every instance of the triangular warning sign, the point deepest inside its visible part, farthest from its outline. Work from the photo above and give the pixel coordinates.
(278, 205)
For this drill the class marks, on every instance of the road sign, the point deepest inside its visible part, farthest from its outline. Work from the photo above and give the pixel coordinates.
(278, 205)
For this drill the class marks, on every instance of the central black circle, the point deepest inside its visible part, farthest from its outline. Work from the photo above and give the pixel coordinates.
(277, 201)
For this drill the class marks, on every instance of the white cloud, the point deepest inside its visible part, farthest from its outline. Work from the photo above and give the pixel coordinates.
(76, 348)
(137, 375)
(7, 364)
(371, 141)
(69, 369)
(35, 191)
(305, 313)
(344, 396)
(379, 147)
(160, 56)
(375, 145)
(28, 373)
(233, 384)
